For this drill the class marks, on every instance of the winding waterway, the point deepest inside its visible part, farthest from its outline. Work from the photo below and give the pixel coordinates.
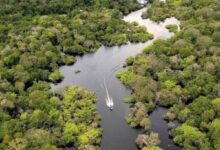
(105, 64)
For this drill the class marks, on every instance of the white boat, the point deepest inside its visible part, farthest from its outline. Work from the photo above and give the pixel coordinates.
(109, 102)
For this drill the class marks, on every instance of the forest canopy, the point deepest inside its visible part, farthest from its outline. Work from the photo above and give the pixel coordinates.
(38, 36)
(181, 73)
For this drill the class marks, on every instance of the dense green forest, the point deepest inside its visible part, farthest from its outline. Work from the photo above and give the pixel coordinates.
(182, 74)
(38, 36)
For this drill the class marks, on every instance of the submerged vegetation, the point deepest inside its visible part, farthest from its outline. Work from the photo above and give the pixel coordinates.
(181, 73)
(36, 37)
(77, 71)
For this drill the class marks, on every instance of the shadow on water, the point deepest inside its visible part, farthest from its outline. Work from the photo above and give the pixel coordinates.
(105, 63)
(159, 125)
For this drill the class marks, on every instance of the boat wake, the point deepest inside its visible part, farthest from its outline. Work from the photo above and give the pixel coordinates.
(108, 99)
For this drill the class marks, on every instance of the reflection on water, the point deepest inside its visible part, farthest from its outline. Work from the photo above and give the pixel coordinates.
(158, 30)
(158, 124)
(105, 63)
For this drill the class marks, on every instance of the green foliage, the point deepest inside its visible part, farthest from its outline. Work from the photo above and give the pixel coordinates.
(125, 77)
(181, 73)
(216, 37)
(77, 71)
(56, 76)
(129, 100)
(31, 48)
(216, 105)
(152, 148)
(139, 117)
(39, 137)
(131, 121)
(36, 38)
(191, 138)
(172, 28)
(56, 7)
(50, 122)
(68, 60)
(214, 133)
(118, 39)
(184, 114)
(140, 37)
(129, 61)
(70, 132)
(150, 141)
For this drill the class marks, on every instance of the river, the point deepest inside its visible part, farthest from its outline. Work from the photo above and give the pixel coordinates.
(106, 62)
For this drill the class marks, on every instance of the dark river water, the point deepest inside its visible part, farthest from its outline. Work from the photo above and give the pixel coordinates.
(105, 64)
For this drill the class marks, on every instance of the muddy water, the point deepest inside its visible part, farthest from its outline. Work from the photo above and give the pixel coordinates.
(104, 64)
